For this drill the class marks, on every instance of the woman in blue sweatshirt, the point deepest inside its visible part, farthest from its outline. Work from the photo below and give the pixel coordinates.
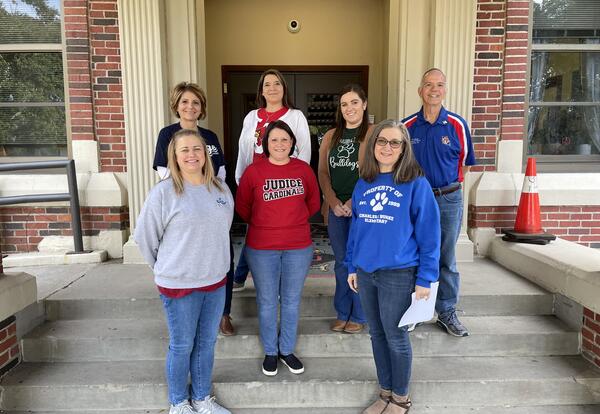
(393, 250)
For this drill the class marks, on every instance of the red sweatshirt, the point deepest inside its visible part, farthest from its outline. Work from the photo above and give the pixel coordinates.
(277, 201)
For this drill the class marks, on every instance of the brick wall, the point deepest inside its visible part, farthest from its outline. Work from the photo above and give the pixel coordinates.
(590, 332)
(500, 77)
(9, 346)
(580, 224)
(94, 78)
(22, 228)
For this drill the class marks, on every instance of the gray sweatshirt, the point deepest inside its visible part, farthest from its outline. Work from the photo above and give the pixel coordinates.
(185, 238)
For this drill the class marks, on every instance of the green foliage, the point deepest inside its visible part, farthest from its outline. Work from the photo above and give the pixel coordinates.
(31, 77)
(19, 27)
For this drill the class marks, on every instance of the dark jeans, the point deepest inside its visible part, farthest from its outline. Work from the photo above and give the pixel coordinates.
(385, 296)
(229, 285)
(346, 301)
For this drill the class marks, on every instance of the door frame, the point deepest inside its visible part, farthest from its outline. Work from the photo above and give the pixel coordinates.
(227, 69)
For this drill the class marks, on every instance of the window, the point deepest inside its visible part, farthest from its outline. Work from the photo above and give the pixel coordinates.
(564, 97)
(32, 98)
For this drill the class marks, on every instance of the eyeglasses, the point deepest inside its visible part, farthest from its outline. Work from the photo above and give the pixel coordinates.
(394, 143)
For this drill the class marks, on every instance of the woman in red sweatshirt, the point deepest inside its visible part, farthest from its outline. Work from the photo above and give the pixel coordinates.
(276, 197)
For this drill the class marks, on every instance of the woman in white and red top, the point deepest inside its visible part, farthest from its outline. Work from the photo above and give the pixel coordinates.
(276, 196)
(273, 104)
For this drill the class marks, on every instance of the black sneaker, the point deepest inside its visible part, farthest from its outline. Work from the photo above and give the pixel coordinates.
(269, 366)
(293, 363)
(449, 321)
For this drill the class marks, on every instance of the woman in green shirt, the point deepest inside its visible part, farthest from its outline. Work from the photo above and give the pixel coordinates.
(339, 156)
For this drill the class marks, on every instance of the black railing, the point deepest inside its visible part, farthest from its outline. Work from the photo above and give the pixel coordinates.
(72, 196)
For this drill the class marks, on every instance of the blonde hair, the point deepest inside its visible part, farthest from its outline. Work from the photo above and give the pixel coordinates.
(406, 168)
(183, 87)
(208, 172)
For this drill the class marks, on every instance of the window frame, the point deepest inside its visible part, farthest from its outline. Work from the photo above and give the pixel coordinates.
(44, 48)
(567, 163)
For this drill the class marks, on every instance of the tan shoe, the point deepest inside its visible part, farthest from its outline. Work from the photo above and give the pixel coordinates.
(398, 405)
(379, 404)
(353, 327)
(338, 326)
(226, 327)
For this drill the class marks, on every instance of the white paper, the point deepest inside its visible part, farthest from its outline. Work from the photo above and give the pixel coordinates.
(420, 310)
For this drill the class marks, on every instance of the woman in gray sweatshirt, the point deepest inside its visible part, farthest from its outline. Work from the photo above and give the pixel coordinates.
(183, 233)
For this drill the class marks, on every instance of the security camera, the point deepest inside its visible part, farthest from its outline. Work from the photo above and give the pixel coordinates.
(293, 26)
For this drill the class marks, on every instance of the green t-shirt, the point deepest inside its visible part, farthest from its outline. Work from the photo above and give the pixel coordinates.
(343, 165)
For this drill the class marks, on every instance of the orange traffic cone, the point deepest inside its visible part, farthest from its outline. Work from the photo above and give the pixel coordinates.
(528, 214)
(528, 224)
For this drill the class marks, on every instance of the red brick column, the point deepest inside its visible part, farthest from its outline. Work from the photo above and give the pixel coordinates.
(79, 82)
(500, 82)
(107, 84)
(590, 332)
(515, 84)
(9, 346)
(487, 82)
(94, 78)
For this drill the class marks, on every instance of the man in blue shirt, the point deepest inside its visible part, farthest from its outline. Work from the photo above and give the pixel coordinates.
(442, 145)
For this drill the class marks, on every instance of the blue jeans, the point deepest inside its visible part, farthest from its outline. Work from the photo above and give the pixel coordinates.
(451, 211)
(279, 279)
(193, 323)
(346, 302)
(242, 269)
(385, 296)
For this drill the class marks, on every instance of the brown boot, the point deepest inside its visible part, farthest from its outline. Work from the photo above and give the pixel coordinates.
(226, 327)
(379, 404)
(398, 405)
(353, 327)
(338, 326)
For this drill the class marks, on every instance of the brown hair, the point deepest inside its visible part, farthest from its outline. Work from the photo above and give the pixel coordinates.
(261, 102)
(340, 122)
(406, 168)
(279, 124)
(207, 170)
(183, 87)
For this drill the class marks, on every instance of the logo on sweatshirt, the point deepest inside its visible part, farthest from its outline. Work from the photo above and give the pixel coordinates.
(376, 199)
(380, 200)
(212, 150)
(221, 202)
(278, 188)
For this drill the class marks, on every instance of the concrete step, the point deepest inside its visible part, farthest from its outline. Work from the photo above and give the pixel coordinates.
(331, 382)
(314, 304)
(416, 409)
(147, 339)
(317, 301)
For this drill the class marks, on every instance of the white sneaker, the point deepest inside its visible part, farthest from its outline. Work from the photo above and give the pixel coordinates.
(209, 406)
(182, 408)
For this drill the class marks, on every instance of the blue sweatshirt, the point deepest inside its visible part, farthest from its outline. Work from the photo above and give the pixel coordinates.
(394, 226)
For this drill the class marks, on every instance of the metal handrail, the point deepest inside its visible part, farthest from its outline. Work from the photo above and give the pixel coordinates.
(72, 196)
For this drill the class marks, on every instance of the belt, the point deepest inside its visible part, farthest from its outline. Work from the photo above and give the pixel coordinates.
(446, 190)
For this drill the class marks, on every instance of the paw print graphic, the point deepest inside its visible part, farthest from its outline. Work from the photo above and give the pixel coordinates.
(379, 201)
